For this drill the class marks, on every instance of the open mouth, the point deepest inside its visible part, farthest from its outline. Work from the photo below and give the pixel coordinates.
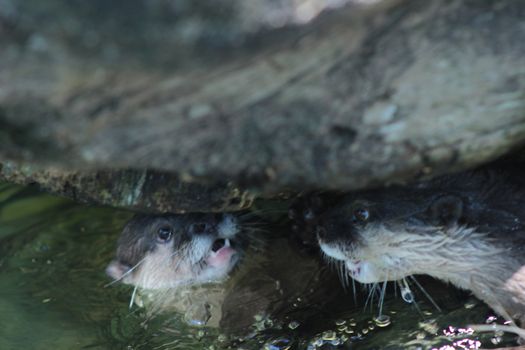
(221, 253)
(218, 244)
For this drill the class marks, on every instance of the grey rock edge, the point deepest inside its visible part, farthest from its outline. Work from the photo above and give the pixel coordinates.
(147, 117)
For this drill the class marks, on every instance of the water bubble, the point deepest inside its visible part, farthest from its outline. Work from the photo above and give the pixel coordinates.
(340, 322)
(335, 342)
(329, 335)
(365, 331)
(277, 344)
(200, 334)
(342, 328)
(198, 315)
(371, 327)
(268, 323)
(318, 342)
(382, 321)
(293, 325)
(470, 304)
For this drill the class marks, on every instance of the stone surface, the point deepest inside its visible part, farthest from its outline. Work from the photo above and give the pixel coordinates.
(364, 95)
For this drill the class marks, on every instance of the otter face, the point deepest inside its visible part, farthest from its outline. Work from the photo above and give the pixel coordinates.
(388, 235)
(167, 251)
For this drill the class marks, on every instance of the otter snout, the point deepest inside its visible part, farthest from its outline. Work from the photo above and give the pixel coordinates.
(335, 228)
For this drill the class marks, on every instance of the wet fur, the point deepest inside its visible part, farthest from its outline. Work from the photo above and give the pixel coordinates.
(144, 262)
(466, 229)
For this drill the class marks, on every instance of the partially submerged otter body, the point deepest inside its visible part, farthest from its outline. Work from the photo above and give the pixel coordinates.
(467, 229)
(173, 250)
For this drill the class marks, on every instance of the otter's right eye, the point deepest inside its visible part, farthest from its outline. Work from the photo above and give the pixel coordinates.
(360, 215)
(164, 234)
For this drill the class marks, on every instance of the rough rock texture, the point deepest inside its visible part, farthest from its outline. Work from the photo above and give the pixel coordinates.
(360, 96)
(145, 191)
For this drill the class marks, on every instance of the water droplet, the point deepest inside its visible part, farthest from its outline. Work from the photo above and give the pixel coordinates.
(277, 344)
(200, 334)
(365, 331)
(371, 327)
(407, 295)
(470, 304)
(335, 342)
(318, 342)
(329, 335)
(495, 340)
(198, 315)
(342, 328)
(382, 321)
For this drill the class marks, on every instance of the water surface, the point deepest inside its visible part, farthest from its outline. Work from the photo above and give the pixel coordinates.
(54, 295)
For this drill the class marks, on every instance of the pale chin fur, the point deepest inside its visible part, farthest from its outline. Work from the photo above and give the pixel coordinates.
(361, 271)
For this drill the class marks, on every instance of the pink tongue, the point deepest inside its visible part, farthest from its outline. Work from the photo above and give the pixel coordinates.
(221, 257)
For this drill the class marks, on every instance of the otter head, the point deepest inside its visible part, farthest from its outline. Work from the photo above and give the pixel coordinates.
(389, 234)
(166, 251)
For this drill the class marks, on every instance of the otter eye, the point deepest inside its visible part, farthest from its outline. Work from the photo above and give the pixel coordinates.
(164, 234)
(360, 215)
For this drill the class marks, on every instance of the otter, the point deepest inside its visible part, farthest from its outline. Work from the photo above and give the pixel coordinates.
(467, 229)
(172, 250)
(170, 258)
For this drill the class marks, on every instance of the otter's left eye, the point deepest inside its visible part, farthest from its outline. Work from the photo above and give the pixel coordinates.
(164, 234)
(360, 215)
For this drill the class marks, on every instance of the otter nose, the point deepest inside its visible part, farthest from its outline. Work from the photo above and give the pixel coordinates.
(321, 232)
(199, 228)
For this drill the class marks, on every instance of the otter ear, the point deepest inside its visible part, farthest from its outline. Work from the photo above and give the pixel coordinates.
(446, 210)
(117, 270)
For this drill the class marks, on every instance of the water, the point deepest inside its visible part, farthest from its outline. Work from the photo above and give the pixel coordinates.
(54, 295)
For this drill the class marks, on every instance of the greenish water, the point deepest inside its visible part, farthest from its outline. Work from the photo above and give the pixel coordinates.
(54, 295)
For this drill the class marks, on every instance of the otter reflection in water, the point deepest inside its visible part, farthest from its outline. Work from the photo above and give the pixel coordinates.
(467, 229)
